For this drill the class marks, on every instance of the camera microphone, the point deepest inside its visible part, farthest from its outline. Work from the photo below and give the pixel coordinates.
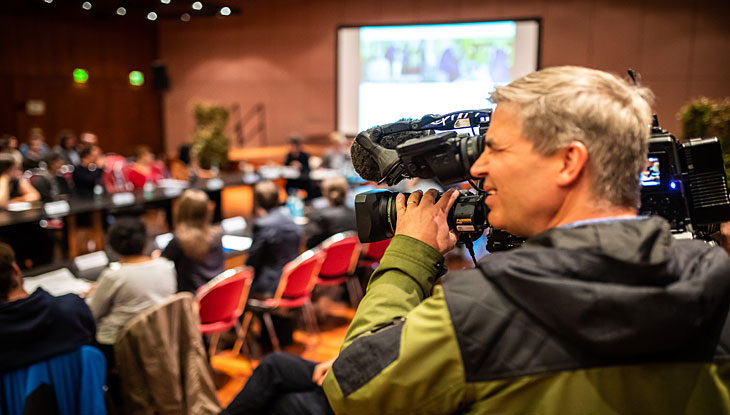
(363, 159)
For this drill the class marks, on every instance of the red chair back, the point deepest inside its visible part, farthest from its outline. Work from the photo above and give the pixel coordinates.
(375, 250)
(224, 296)
(299, 275)
(342, 251)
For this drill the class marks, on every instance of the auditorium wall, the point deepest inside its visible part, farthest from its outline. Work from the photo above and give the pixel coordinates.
(282, 52)
(39, 54)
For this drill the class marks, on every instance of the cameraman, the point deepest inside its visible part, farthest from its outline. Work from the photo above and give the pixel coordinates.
(600, 312)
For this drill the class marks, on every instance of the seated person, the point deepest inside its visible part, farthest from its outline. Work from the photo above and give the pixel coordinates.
(137, 283)
(51, 182)
(9, 144)
(13, 186)
(186, 165)
(276, 239)
(35, 151)
(283, 384)
(196, 249)
(37, 326)
(333, 219)
(299, 159)
(67, 147)
(145, 169)
(89, 173)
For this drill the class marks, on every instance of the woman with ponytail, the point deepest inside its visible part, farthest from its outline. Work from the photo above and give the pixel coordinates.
(196, 249)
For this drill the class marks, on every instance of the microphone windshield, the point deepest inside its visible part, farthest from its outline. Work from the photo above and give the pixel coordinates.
(363, 161)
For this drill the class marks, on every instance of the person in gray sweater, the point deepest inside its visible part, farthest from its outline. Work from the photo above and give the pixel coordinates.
(135, 283)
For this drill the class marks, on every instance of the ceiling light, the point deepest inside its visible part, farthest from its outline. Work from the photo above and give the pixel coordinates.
(86, 5)
(226, 11)
(48, 1)
(152, 16)
(165, 1)
(185, 17)
(121, 11)
(197, 5)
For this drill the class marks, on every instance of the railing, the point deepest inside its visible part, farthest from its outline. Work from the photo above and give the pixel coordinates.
(251, 125)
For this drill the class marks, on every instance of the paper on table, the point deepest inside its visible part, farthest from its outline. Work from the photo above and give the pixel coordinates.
(58, 282)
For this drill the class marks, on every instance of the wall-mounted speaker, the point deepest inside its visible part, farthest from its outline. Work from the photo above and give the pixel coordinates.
(160, 80)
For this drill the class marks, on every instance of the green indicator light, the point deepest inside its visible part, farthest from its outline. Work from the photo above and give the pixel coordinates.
(80, 76)
(136, 78)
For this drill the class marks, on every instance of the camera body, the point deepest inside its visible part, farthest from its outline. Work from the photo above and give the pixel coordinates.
(685, 182)
(447, 156)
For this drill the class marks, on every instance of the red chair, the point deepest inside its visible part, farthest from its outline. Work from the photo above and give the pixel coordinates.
(342, 252)
(372, 253)
(294, 291)
(221, 302)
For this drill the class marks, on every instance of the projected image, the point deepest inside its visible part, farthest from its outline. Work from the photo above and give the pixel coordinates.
(651, 176)
(386, 73)
(479, 52)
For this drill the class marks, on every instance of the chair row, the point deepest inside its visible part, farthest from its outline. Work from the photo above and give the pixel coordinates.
(224, 299)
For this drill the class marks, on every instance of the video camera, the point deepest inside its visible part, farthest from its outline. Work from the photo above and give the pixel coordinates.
(447, 156)
(685, 183)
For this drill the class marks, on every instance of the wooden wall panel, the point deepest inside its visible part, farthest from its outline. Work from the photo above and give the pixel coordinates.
(38, 64)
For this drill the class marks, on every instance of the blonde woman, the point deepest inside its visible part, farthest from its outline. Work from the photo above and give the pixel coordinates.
(196, 248)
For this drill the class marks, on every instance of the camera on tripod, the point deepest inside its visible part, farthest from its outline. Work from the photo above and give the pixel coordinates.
(447, 156)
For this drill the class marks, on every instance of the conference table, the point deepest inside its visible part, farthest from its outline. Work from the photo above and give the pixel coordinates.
(69, 210)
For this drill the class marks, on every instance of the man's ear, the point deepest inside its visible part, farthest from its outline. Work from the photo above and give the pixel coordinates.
(574, 159)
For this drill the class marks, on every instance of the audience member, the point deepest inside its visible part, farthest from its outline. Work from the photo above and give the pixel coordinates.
(196, 249)
(337, 157)
(146, 169)
(185, 167)
(35, 152)
(37, 326)
(283, 384)
(299, 159)
(13, 186)
(66, 147)
(9, 144)
(33, 133)
(135, 284)
(50, 182)
(276, 239)
(87, 139)
(90, 172)
(335, 218)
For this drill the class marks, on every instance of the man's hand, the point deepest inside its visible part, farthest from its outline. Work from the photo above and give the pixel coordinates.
(422, 219)
(320, 371)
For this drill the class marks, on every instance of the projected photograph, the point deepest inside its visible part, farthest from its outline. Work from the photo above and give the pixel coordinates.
(481, 52)
(386, 73)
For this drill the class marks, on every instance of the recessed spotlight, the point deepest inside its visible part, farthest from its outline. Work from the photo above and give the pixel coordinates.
(48, 1)
(121, 11)
(165, 1)
(152, 16)
(197, 5)
(225, 11)
(185, 17)
(86, 5)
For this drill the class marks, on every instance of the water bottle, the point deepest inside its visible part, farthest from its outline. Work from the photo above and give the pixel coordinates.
(295, 205)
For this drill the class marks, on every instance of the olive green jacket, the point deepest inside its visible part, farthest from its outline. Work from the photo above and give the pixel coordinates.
(609, 318)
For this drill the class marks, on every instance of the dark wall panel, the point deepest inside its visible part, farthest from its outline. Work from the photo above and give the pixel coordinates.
(38, 63)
